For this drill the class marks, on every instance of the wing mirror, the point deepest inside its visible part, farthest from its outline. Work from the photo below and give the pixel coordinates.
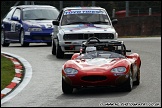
(15, 18)
(114, 21)
(55, 22)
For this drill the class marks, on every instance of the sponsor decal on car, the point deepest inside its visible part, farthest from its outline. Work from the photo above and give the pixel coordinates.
(84, 12)
(27, 33)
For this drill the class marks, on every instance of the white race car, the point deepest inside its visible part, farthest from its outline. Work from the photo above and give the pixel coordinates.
(75, 25)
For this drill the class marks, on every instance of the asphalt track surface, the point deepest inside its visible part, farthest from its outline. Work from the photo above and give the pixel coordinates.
(43, 88)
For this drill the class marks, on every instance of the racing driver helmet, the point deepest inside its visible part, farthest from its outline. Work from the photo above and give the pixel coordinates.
(90, 49)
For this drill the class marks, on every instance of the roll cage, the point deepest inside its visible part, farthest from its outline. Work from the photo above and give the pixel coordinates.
(114, 46)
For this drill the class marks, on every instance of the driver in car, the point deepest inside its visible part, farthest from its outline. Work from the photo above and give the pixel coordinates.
(91, 51)
(67, 19)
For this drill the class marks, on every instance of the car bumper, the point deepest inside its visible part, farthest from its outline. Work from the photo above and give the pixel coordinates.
(38, 37)
(73, 46)
(96, 79)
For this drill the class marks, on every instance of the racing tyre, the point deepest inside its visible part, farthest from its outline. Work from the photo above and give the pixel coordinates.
(53, 48)
(129, 84)
(59, 52)
(137, 82)
(66, 88)
(24, 44)
(3, 41)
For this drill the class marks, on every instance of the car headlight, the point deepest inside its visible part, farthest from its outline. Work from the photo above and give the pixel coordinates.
(70, 71)
(34, 29)
(118, 70)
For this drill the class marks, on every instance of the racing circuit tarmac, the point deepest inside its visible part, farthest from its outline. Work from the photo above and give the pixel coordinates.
(44, 87)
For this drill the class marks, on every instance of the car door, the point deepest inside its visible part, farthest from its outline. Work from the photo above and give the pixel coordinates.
(56, 27)
(15, 25)
(6, 23)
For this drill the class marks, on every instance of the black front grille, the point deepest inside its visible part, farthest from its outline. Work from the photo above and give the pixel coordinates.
(41, 37)
(94, 78)
(86, 36)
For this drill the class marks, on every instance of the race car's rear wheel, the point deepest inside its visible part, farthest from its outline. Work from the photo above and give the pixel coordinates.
(137, 82)
(24, 44)
(66, 88)
(3, 41)
(53, 48)
(59, 52)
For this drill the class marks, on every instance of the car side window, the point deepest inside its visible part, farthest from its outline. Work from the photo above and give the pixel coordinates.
(17, 13)
(8, 16)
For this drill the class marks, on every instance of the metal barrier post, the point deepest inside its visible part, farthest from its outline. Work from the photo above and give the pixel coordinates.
(150, 11)
(127, 8)
(113, 13)
(61, 5)
(93, 3)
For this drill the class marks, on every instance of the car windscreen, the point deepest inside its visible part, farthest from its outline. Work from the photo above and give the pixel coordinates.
(85, 17)
(100, 54)
(40, 13)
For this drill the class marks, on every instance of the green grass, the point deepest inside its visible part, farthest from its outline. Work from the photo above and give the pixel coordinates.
(7, 71)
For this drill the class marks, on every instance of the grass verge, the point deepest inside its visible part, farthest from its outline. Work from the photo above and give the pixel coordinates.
(7, 71)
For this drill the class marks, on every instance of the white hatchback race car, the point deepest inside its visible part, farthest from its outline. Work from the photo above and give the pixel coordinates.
(75, 25)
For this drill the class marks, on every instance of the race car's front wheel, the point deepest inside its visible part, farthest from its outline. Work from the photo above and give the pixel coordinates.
(66, 88)
(53, 48)
(59, 52)
(24, 44)
(129, 84)
(137, 82)
(3, 41)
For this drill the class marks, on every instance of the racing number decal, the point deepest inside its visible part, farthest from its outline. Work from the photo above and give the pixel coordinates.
(12, 26)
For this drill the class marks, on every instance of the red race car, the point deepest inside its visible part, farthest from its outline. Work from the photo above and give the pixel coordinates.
(101, 64)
